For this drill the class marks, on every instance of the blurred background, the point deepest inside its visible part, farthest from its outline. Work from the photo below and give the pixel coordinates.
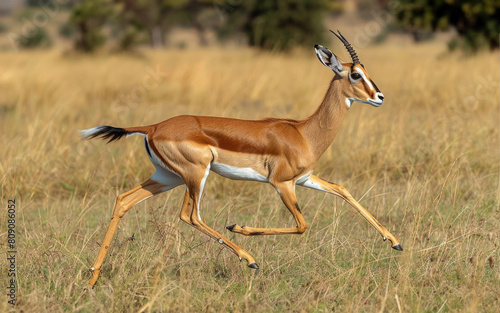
(426, 164)
(124, 25)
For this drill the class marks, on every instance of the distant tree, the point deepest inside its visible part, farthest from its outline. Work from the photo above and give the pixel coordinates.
(231, 19)
(134, 22)
(269, 24)
(283, 24)
(476, 22)
(154, 17)
(203, 16)
(89, 17)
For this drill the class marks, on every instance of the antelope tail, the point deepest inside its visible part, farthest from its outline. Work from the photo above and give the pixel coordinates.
(111, 133)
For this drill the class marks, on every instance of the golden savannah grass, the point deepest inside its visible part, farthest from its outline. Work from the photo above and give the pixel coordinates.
(425, 164)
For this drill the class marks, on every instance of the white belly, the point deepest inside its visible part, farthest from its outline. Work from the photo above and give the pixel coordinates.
(237, 173)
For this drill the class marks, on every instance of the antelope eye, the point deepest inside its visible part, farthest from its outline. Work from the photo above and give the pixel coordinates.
(355, 76)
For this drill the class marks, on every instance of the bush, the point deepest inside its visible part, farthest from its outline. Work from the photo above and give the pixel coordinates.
(476, 22)
(282, 25)
(39, 38)
(88, 19)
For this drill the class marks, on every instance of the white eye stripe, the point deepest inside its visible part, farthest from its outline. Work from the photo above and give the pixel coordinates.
(367, 81)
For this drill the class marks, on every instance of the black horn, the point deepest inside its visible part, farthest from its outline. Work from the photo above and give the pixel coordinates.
(354, 56)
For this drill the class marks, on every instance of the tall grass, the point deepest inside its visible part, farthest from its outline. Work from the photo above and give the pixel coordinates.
(426, 164)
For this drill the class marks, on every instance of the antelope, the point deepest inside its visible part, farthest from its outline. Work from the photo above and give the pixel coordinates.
(281, 152)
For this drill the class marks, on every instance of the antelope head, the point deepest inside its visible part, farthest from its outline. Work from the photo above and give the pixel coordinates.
(358, 85)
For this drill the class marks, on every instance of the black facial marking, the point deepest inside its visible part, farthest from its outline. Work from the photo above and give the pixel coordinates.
(354, 75)
(376, 88)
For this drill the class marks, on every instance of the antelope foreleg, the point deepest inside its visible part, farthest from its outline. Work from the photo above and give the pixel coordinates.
(317, 183)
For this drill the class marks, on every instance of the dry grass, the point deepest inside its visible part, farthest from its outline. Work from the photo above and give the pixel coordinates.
(425, 164)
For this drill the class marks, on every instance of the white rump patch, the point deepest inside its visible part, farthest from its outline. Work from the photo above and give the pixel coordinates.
(163, 173)
(136, 133)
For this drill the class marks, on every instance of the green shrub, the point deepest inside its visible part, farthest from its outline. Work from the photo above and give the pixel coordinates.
(38, 38)
(476, 22)
(282, 25)
(88, 18)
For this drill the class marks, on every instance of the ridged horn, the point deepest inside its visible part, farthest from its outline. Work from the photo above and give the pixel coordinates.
(354, 56)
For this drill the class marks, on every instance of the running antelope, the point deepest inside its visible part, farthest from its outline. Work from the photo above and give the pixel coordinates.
(282, 152)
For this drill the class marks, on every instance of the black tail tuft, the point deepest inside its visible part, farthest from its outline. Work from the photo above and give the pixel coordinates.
(105, 132)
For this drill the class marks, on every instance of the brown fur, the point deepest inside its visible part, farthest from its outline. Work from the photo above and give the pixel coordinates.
(281, 150)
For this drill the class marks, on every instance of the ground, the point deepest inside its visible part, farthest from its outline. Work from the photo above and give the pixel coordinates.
(425, 163)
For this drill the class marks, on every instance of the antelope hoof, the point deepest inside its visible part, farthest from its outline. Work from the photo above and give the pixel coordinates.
(254, 266)
(89, 290)
(230, 227)
(397, 247)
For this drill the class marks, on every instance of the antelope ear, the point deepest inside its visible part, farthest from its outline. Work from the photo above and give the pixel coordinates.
(328, 59)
